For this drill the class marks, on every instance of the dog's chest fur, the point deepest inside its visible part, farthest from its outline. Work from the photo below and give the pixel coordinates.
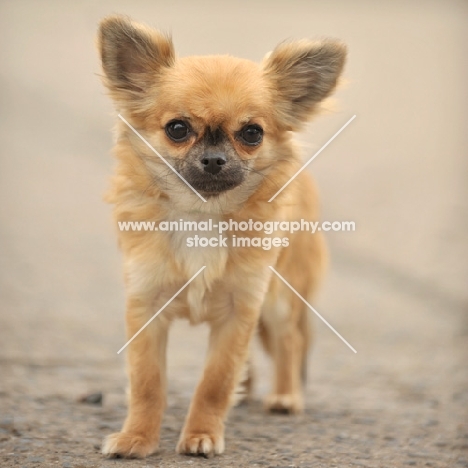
(191, 259)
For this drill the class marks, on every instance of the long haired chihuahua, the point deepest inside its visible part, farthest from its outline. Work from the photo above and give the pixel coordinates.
(225, 126)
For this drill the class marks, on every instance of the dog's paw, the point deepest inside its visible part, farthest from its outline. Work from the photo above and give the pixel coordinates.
(200, 444)
(289, 403)
(128, 445)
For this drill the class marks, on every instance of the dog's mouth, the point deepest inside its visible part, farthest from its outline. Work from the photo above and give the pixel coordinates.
(214, 184)
(214, 187)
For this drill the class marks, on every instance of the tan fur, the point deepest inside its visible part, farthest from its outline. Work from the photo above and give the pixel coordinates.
(236, 292)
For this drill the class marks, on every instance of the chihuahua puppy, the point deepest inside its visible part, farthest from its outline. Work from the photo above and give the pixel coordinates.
(225, 124)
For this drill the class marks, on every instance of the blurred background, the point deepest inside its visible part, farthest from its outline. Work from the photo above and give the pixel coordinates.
(397, 286)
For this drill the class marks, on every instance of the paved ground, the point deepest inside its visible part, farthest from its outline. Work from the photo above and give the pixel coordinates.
(396, 288)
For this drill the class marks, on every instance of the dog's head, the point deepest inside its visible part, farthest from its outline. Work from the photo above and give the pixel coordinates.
(216, 119)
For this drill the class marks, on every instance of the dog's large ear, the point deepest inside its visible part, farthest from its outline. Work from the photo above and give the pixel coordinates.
(132, 56)
(303, 73)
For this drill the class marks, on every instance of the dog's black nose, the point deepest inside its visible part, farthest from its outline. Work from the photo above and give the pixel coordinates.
(213, 162)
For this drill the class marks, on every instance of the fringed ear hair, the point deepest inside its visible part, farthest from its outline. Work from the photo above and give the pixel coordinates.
(303, 73)
(132, 56)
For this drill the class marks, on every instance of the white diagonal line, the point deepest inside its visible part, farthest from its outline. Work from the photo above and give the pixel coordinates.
(157, 154)
(312, 158)
(161, 309)
(312, 309)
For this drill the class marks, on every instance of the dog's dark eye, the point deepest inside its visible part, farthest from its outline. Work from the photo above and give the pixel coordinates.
(251, 135)
(177, 130)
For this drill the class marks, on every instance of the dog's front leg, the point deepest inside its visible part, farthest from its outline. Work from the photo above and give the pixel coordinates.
(146, 367)
(229, 342)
